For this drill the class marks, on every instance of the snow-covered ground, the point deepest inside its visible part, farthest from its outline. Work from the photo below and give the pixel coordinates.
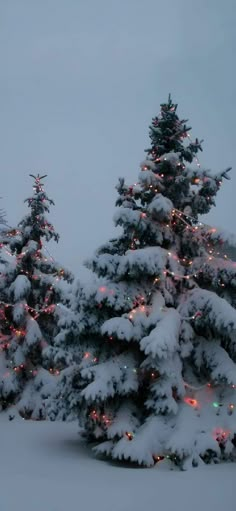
(45, 467)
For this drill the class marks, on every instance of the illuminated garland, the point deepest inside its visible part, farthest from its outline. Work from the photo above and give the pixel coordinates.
(210, 256)
(219, 434)
(37, 256)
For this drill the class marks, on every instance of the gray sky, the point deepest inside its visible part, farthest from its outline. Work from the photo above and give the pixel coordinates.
(80, 81)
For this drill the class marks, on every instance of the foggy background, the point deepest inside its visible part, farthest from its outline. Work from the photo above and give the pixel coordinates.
(80, 81)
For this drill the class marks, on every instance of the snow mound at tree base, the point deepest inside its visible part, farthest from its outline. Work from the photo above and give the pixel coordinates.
(45, 465)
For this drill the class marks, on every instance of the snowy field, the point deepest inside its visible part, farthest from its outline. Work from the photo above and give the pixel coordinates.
(45, 467)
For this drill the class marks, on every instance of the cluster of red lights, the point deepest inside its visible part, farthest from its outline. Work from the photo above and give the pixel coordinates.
(102, 418)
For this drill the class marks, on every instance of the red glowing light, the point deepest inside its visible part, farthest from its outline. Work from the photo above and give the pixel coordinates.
(93, 415)
(220, 435)
(129, 435)
(102, 289)
(158, 458)
(191, 402)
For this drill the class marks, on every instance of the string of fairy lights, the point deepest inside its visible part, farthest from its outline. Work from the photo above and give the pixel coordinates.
(37, 255)
(194, 229)
(190, 224)
(21, 332)
(219, 433)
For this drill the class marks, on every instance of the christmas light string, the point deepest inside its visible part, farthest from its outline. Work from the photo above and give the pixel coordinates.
(220, 434)
(179, 214)
(139, 306)
(38, 256)
(192, 387)
(20, 332)
(210, 256)
(188, 400)
(142, 308)
(47, 309)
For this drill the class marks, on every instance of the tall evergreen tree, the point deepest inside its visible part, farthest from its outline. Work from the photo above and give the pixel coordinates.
(30, 289)
(158, 328)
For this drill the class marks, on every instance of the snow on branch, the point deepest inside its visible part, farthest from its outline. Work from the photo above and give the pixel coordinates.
(116, 375)
(221, 366)
(122, 328)
(20, 288)
(220, 235)
(216, 312)
(151, 260)
(127, 216)
(149, 438)
(125, 419)
(161, 206)
(148, 261)
(164, 338)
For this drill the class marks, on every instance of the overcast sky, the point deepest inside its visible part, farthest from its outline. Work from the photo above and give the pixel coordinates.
(80, 81)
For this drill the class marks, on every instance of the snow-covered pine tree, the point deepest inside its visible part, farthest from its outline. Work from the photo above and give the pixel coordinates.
(31, 287)
(158, 374)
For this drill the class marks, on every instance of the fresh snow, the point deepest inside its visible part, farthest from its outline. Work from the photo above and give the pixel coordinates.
(161, 205)
(164, 338)
(221, 315)
(20, 287)
(121, 327)
(45, 466)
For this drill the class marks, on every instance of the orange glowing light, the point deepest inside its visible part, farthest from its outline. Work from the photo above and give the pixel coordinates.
(191, 402)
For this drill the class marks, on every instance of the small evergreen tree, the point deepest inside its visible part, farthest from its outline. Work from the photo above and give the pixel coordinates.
(158, 328)
(30, 289)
